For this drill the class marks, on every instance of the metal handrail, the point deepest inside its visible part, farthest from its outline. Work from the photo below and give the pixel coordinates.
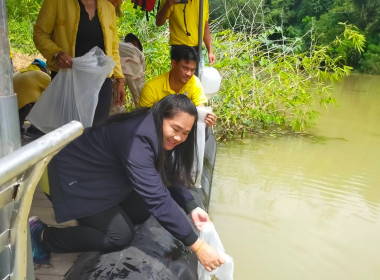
(20, 172)
(28, 155)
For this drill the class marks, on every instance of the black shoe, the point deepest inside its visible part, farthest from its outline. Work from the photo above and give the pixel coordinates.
(34, 132)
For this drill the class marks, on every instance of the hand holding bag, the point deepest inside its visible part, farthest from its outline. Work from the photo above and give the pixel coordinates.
(225, 272)
(73, 93)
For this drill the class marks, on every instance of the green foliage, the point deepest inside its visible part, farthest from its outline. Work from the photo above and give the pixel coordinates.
(319, 18)
(21, 36)
(268, 87)
(269, 81)
(21, 17)
(371, 60)
(23, 9)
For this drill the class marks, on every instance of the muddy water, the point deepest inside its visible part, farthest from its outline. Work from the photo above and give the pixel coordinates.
(304, 208)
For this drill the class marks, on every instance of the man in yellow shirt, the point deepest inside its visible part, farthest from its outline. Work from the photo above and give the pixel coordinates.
(29, 84)
(179, 80)
(183, 24)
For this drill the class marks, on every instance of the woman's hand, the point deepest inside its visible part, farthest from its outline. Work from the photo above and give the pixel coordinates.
(64, 60)
(207, 255)
(199, 217)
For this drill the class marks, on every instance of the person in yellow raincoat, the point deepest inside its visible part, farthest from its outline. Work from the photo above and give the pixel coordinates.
(28, 84)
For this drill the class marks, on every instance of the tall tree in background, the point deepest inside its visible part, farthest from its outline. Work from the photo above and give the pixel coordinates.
(318, 18)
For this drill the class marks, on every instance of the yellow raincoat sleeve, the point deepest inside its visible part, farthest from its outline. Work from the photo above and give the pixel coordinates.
(56, 30)
(44, 28)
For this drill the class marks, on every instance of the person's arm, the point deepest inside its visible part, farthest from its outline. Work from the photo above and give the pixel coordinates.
(207, 41)
(139, 163)
(167, 213)
(162, 14)
(44, 27)
(184, 198)
(120, 91)
(117, 72)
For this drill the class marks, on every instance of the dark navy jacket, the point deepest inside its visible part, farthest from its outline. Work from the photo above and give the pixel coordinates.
(100, 168)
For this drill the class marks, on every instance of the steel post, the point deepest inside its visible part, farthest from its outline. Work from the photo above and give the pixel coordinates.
(10, 138)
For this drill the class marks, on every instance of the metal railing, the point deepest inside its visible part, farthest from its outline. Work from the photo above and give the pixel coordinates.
(20, 172)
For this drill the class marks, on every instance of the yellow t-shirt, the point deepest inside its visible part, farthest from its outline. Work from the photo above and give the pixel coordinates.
(29, 86)
(159, 87)
(177, 23)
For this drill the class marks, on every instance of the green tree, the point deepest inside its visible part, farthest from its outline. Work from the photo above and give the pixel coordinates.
(269, 81)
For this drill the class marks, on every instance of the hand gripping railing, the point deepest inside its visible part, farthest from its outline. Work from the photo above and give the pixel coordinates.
(20, 172)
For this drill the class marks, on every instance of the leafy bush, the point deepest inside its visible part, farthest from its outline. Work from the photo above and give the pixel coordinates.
(268, 81)
(267, 85)
(371, 60)
(21, 17)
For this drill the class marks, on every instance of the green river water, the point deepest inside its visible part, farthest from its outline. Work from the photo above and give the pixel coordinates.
(305, 208)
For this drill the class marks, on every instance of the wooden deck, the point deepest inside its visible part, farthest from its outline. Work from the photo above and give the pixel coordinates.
(60, 263)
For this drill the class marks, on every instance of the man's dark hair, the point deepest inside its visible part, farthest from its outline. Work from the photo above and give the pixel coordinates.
(179, 52)
(132, 38)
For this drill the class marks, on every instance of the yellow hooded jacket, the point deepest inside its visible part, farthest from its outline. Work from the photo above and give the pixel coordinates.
(57, 26)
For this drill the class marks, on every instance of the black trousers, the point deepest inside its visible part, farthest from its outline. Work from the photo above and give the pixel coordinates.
(102, 110)
(108, 231)
(104, 103)
(23, 112)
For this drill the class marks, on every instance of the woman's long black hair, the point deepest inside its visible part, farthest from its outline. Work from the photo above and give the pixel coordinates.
(184, 155)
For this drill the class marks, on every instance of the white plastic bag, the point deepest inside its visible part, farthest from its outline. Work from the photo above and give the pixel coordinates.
(201, 141)
(226, 271)
(211, 80)
(73, 93)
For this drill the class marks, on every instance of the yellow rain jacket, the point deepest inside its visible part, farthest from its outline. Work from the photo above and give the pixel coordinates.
(57, 26)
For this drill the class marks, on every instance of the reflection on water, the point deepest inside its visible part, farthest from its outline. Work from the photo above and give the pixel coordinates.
(308, 207)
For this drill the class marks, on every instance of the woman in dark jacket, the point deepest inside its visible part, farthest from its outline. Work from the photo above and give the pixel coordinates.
(117, 174)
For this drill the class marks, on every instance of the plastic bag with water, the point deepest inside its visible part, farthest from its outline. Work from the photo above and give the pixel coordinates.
(226, 271)
(211, 80)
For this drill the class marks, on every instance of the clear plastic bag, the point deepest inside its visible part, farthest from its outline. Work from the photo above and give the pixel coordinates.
(73, 93)
(226, 271)
(201, 141)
